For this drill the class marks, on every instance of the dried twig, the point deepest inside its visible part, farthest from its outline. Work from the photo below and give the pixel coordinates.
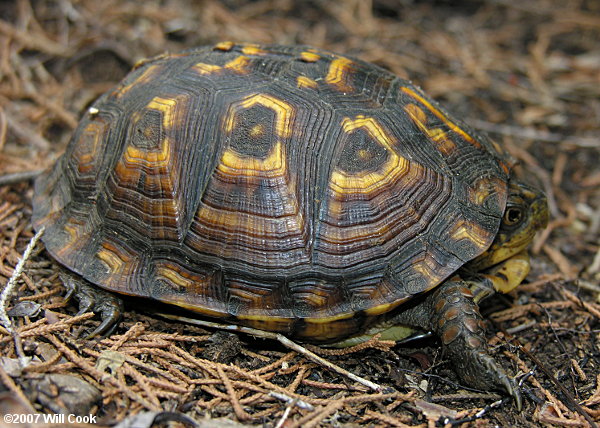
(8, 289)
(280, 338)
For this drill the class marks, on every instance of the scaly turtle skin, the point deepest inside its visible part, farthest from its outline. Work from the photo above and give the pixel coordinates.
(290, 189)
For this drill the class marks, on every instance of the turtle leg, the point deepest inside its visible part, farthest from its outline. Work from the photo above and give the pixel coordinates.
(94, 299)
(501, 278)
(452, 314)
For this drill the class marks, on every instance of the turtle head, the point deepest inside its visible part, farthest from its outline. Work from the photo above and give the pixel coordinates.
(526, 212)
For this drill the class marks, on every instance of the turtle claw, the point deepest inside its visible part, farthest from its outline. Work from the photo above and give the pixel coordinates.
(512, 389)
(479, 369)
(92, 299)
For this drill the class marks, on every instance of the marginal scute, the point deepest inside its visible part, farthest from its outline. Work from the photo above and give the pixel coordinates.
(441, 139)
(339, 74)
(308, 56)
(428, 271)
(224, 46)
(150, 72)
(118, 263)
(488, 192)
(470, 231)
(175, 277)
(87, 153)
(420, 98)
(253, 49)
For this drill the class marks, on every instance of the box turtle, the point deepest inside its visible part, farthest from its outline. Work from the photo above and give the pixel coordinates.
(290, 189)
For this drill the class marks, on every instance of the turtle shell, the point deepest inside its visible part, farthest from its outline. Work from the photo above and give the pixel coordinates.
(287, 188)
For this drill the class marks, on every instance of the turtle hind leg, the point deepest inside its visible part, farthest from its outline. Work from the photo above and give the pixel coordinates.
(456, 320)
(94, 299)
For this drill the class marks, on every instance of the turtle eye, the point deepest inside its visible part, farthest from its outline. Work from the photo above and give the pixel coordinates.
(513, 216)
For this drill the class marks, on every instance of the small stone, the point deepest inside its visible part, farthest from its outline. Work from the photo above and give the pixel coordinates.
(67, 394)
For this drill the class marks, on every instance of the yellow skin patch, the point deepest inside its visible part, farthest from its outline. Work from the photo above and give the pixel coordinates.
(441, 116)
(395, 332)
(338, 74)
(306, 82)
(283, 113)
(367, 182)
(505, 276)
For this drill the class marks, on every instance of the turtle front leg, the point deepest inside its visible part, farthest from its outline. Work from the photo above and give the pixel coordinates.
(91, 298)
(452, 314)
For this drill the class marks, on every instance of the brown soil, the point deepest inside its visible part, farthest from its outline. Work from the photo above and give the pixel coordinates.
(528, 73)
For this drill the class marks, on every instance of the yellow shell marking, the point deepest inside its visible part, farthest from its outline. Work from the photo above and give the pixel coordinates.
(254, 171)
(257, 130)
(145, 77)
(367, 182)
(237, 65)
(464, 229)
(203, 68)
(381, 309)
(160, 169)
(306, 82)
(441, 116)
(283, 113)
(224, 46)
(308, 56)
(161, 157)
(173, 277)
(252, 49)
(93, 131)
(328, 320)
(483, 188)
(112, 258)
(429, 268)
(338, 72)
(273, 165)
(77, 238)
(438, 136)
